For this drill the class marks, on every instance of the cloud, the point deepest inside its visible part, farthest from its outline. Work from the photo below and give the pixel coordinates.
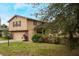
(20, 5)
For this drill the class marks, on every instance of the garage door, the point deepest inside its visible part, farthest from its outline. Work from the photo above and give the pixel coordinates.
(18, 36)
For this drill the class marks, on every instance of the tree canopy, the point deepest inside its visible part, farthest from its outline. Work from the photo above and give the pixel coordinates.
(66, 17)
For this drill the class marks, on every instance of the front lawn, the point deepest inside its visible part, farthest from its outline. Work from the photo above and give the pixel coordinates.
(2, 38)
(35, 49)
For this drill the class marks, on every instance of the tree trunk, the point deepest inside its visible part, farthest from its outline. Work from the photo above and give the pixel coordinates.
(71, 40)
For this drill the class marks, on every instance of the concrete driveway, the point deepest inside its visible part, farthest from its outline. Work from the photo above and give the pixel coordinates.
(5, 41)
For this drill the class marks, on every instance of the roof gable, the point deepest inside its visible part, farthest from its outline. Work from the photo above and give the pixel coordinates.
(23, 17)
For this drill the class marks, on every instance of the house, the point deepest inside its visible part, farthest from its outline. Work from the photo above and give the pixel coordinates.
(20, 25)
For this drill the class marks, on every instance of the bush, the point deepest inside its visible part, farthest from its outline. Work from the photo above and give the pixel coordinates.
(45, 39)
(40, 38)
(73, 43)
(57, 40)
(36, 38)
(54, 40)
(76, 41)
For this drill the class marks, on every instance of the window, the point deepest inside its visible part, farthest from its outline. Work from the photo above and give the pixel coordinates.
(34, 23)
(17, 23)
(14, 24)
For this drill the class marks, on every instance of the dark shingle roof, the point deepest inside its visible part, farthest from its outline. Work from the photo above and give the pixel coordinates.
(23, 17)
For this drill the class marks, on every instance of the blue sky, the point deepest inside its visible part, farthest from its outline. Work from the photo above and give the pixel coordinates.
(7, 10)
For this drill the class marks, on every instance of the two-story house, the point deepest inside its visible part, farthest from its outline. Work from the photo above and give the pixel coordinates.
(19, 25)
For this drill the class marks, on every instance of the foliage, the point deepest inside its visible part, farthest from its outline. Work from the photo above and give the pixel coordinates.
(45, 38)
(5, 34)
(36, 38)
(66, 19)
(4, 26)
(55, 40)
(40, 38)
(4, 31)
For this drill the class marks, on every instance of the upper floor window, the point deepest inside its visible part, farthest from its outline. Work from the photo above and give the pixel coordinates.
(17, 23)
(34, 22)
(14, 24)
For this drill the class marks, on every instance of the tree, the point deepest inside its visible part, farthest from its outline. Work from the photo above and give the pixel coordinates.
(66, 19)
(4, 30)
(4, 26)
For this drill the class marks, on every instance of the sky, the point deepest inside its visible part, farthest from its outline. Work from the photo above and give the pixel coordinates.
(8, 10)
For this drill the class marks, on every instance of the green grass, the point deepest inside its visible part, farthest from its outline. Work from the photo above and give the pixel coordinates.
(35, 49)
(2, 38)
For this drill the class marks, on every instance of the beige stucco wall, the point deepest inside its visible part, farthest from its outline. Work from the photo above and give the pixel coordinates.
(30, 34)
(30, 27)
(22, 27)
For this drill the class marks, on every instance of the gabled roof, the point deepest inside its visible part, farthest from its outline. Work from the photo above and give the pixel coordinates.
(23, 17)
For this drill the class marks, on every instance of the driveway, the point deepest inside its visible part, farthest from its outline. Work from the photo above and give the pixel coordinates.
(5, 41)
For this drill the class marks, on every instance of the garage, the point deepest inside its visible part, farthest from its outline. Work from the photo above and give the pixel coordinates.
(18, 35)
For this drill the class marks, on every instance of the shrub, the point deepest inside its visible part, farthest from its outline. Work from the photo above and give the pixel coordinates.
(45, 39)
(76, 41)
(36, 38)
(40, 38)
(57, 40)
(54, 40)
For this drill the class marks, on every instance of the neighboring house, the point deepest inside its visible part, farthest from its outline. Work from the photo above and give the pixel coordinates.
(2, 29)
(19, 25)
